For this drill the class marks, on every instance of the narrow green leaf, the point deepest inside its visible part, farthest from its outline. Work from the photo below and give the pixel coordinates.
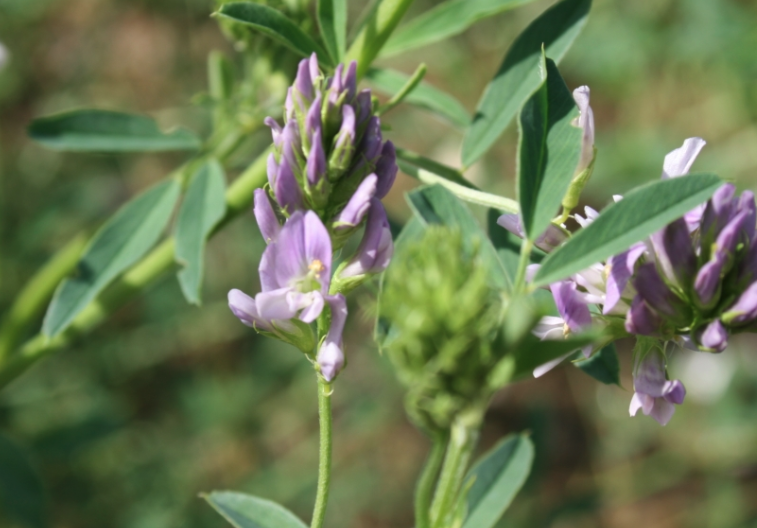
(437, 205)
(107, 131)
(443, 21)
(602, 366)
(276, 25)
(204, 205)
(533, 352)
(332, 21)
(22, 498)
(424, 95)
(548, 151)
(518, 76)
(497, 477)
(462, 191)
(247, 511)
(121, 242)
(640, 213)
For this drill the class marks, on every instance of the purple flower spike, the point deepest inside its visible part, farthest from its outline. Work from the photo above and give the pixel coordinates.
(303, 83)
(642, 320)
(621, 269)
(376, 247)
(355, 210)
(654, 394)
(316, 163)
(657, 295)
(267, 220)
(714, 337)
(330, 357)
(744, 310)
(675, 254)
(386, 169)
(286, 189)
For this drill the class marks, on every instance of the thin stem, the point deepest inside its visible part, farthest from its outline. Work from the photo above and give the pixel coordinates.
(525, 257)
(459, 451)
(425, 487)
(409, 86)
(324, 456)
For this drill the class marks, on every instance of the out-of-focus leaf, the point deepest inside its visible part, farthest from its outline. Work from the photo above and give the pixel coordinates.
(276, 25)
(430, 165)
(519, 76)
(424, 95)
(247, 511)
(121, 242)
(602, 366)
(461, 190)
(445, 20)
(496, 479)
(640, 213)
(507, 245)
(548, 151)
(22, 498)
(204, 205)
(332, 21)
(533, 352)
(436, 205)
(107, 131)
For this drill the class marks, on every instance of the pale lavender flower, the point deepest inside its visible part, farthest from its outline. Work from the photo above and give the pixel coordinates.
(585, 122)
(654, 394)
(376, 247)
(354, 212)
(267, 221)
(330, 356)
(678, 163)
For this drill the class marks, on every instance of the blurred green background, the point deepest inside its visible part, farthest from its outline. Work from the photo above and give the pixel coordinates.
(167, 401)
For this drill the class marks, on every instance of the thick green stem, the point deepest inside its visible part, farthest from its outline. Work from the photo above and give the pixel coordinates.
(376, 31)
(146, 272)
(324, 457)
(464, 436)
(425, 487)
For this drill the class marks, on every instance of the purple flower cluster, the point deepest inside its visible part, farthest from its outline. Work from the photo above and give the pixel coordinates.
(326, 176)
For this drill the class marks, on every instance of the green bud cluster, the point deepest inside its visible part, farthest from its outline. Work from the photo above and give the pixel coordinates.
(445, 319)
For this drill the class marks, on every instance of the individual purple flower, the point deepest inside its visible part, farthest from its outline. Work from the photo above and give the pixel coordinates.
(267, 221)
(744, 310)
(376, 247)
(547, 241)
(386, 169)
(714, 337)
(354, 212)
(316, 163)
(654, 394)
(642, 320)
(678, 163)
(675, 253)
(620, 269)
(658, 296)
(330, 356)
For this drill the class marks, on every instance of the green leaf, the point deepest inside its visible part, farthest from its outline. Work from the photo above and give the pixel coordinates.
(121, 242)
(461, 190)
(424, 95)
(497, 478)
(436, 205)
(332, 21)
(445, 20)
(640, 213)
(548, 151)
(430, 165)
(602, 366)
(247, 511)
(204, 205)
(533, 352)
(22, 498)
(275, 24)
(518, 76)
(106, 131)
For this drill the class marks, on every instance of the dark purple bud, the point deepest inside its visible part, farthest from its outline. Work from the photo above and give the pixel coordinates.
(376, 247)
(675, 254)
(313, 119)
(746, 205)
(266, 218)
(621, 268)
(286, 189)
(363, 106)
(707, 284)
(658, 296)
(316, 164)
(747, 270)
(715, 337)
(355, 210)
(674, 391)
(641, 320)
(336, 86)
(717, 213)
(744, 310)
(371, 145)
(350, 81)
(729, 237)
(344, 146)
(386, 169)
(303, 83)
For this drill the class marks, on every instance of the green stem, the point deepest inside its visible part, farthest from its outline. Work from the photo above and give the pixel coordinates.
(425, 487)
(376, 31)
(464, 436)
(324, 456)
(409, 86)
(525, 257)
(146, 272)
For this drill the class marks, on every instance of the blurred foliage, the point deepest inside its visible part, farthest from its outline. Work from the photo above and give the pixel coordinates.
(166, 400)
